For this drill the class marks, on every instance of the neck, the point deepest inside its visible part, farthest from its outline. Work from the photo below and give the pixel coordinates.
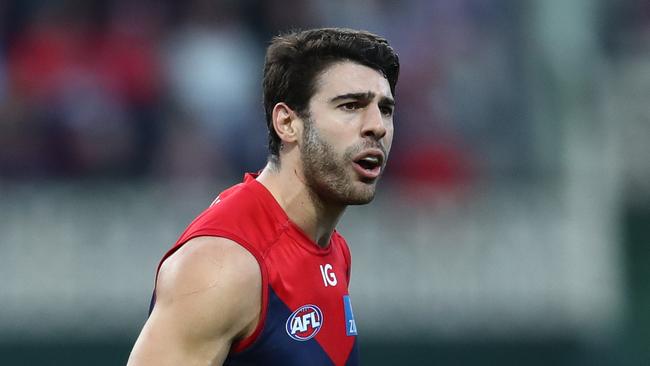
(304, 207)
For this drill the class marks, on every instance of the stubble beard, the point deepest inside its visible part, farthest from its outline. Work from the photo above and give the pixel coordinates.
(327, 174)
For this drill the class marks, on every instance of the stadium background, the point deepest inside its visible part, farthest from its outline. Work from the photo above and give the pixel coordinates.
(512, 227)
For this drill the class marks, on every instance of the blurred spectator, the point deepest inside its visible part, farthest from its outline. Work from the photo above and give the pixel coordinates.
(88, 91)
(138, 89)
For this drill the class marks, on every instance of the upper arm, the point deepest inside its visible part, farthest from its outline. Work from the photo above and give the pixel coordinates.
(208, 294)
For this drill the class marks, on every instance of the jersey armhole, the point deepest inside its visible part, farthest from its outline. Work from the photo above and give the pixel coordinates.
(242, 344)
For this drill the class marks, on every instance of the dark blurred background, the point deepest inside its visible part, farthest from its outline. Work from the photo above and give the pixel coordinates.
(512, 226)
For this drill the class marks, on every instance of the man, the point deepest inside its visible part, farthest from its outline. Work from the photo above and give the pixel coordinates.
(261, 277)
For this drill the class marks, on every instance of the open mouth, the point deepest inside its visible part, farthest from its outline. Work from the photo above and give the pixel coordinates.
(369, 165)
(369, 162)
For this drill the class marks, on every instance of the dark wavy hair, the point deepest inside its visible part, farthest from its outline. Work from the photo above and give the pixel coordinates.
(294, 60)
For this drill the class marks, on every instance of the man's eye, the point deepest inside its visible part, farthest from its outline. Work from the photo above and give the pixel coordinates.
(386, 111)
(351, 106)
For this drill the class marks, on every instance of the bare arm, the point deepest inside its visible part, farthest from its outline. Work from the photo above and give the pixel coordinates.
(208, 295)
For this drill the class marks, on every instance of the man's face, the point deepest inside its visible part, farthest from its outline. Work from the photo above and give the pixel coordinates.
(348, 133)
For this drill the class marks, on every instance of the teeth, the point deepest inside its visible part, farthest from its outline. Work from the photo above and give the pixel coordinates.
(371, 159)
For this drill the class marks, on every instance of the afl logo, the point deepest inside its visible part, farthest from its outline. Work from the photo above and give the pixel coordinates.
(304, 323)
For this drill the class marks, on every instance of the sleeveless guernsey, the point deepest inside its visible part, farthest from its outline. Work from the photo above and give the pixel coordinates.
(306, 316)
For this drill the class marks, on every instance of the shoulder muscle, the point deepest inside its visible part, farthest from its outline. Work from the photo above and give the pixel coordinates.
(207, 296)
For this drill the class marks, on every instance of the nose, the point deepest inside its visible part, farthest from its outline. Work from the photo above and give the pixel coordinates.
(373, 124)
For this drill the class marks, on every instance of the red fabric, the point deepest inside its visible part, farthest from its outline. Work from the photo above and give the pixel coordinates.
(289, 261)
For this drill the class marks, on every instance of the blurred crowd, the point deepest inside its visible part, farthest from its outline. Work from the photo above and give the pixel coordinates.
(172, 90)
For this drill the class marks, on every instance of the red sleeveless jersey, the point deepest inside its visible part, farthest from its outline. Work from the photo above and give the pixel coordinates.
(306, 316)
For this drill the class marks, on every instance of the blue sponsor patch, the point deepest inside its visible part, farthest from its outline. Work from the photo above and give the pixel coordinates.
(350, 325)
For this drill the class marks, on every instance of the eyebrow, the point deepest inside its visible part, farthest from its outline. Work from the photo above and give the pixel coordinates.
(385, 101)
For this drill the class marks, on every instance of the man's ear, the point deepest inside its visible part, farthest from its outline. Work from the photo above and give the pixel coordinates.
(286, 123)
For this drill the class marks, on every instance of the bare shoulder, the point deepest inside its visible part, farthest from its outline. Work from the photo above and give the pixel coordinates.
(206, 262)
(212, 271)
(208, 295)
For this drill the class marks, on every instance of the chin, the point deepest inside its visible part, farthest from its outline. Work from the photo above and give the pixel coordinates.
(339, 190)
(350, 196)
(362, 196)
